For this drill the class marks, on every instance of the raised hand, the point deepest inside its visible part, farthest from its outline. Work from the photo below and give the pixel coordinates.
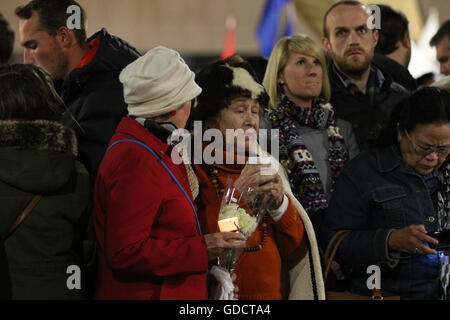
(261, 178)
(411, 240)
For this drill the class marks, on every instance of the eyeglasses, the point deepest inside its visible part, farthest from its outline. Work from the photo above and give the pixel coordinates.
(424, 151)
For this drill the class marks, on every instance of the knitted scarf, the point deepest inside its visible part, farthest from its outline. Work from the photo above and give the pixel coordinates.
(294, 155)
(443, 219)
(444, 195)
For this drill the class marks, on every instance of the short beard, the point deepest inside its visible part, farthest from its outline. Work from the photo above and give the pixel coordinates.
(352, 70)
(61, 66)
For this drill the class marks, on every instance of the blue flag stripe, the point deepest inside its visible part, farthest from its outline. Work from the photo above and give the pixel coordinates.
(267, 32)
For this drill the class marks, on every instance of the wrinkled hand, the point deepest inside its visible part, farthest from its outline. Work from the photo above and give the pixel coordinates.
(410, 238)
(216, 243)
(261, 178)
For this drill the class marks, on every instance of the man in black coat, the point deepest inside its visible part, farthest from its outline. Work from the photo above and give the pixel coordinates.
(88, 68)
(393, 50)
(362, 92)
(441, 40)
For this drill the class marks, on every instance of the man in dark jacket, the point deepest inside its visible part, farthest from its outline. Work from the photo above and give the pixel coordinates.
(362, 93)
(393, 50)
(441, 40)
(89, 70)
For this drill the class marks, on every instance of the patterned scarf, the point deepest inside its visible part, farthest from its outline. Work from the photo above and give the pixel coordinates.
(294, 155)
(443, 219)
(444, 195)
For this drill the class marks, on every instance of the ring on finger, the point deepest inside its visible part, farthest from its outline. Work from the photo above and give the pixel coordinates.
(416, 250)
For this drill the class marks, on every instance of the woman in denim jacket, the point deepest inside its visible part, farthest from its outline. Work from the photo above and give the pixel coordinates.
(393, 197)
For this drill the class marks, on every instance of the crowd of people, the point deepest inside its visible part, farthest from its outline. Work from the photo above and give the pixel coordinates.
(104, 196)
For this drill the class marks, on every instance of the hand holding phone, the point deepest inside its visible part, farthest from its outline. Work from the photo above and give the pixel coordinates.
(444, 240)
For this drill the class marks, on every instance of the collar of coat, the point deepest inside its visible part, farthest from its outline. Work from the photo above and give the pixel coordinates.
(113, 54)
(39, 135)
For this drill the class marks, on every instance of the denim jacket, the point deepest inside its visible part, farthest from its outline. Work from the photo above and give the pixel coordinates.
(376, 194)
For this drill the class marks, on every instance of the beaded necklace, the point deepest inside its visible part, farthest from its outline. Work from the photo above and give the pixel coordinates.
(214, 174)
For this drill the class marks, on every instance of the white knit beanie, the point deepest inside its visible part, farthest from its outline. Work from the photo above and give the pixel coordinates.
(157, 83)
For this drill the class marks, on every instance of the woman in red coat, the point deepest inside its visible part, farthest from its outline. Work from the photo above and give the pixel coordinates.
(150, 242)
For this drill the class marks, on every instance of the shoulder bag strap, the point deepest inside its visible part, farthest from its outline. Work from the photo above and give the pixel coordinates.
(332, 248)
(331, 245)
(24, 214)
(167, 169)
(330, 253)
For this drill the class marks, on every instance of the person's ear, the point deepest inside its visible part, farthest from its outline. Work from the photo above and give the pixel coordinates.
(376, 36)
(326, 44)
(405, 41)
(65, 37)
(280, 79)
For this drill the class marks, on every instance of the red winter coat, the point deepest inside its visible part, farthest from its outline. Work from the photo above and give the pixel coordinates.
(149, 246)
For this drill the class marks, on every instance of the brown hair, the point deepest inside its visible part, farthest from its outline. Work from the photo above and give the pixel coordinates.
(27, 92)
(444, 31)
(53, 15)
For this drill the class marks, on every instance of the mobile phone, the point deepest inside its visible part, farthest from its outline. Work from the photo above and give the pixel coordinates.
(444, 240)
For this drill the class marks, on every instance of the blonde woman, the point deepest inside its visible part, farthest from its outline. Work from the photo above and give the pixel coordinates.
(314, 146)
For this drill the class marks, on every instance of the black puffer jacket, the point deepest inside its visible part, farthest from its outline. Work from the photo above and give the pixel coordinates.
(367, 119)
(398, 73)
(94, 96)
